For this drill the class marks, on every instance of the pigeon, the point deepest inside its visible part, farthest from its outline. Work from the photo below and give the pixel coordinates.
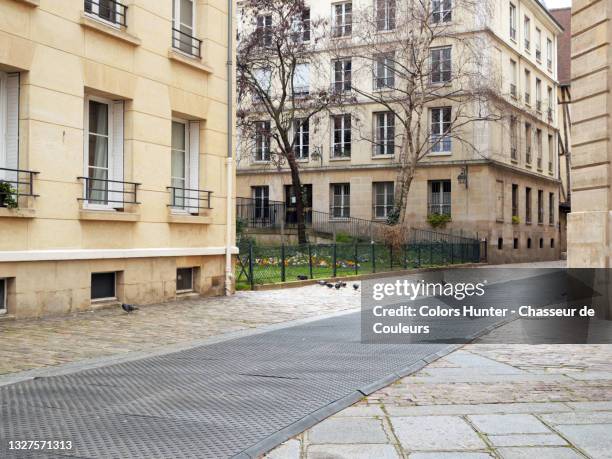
(343, 284)
(321, 282)
(355, 286)
(302, 277)
(329, 285)
(128, 307)
(338, 286)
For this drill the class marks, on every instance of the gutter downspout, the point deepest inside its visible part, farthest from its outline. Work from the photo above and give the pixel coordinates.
(229, 161)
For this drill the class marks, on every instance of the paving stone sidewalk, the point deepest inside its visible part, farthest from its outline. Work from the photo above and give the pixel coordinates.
(30, 344)
(482, 401)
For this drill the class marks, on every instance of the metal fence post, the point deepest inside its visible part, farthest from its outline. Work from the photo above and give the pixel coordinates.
(334, 259)
(251, 274)
(310, 261)
(373, 246)
(283, 274)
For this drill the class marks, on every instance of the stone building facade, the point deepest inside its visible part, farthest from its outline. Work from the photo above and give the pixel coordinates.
(511, 195)
(116, 165)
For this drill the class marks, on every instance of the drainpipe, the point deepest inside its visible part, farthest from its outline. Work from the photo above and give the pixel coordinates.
(229, 161)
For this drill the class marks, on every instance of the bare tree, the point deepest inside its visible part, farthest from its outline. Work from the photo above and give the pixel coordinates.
(409, 57)
(276, 96)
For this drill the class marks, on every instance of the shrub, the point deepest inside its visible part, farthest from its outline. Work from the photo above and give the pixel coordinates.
(438, 220)
(7, 197)
(516, 220)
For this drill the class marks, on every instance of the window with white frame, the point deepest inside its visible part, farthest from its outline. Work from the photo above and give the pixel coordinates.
(301, 26)
(512, 21)
(551, 103)
(104, 185)
(440, 64)
(261, 201)
(383, 199)
(551, 153)
(527, 32)
(184, 166)
(263, 78)
(301, 80)
(262, 141)
(301, 139)
(9, 127)
(342, 14)
(384, 133)
(264, 29)
(442, 11)
(513, 82)
(183, 18)
(340, 200)
(538, 95)
(107, 10)
(3, 296)
(342, 74)
(439, 201)
(513, 138)
(385, 15)
(384, 71)
(527, 87)
(538, 44)
(441, 130)
(549, 54)
(341, 143)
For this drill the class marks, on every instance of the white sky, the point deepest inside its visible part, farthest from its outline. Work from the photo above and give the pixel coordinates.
(558, 3)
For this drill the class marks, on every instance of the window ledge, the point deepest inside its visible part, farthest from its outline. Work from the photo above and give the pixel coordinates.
(343, 158)
(383, 156)
(443, 153)
(91, 23)
(190, 219)
(190, 61)
(17, 213)
(108, 215)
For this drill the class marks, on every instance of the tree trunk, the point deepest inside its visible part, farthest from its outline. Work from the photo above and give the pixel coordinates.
(299, 204)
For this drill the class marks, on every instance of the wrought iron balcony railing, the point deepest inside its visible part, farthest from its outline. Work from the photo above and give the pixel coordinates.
(440, 209)
(189, 199)
(528, 155)
(186, 43)
(107, 10)
(539, 54)
(112, 193)
(513, 154)
(20, 181)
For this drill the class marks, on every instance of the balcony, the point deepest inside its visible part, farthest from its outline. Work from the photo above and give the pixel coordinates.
(104, 193)
(190, 200)
(107, 11)
(439, 209)
(187, 44)
(16, 185)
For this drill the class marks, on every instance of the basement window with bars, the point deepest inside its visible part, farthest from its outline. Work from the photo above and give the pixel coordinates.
(103, 286)
(184, 280)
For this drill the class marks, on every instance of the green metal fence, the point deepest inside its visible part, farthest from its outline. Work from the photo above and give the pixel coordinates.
(271, 264)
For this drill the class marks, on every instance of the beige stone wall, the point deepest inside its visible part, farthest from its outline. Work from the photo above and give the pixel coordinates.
(589, 223)
(63, 55)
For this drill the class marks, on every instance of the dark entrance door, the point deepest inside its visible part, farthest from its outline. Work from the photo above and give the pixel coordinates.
(290, 204)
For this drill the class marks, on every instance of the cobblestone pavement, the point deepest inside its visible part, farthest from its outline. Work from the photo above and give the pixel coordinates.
(29, 344)
(484, 400)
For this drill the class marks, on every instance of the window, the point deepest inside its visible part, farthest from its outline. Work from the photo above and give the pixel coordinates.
(538, 95)
(385, 15)
(384, 71)
(384, 133)
(541, 242)
(3, 295)
(341, 147)
(527, 31)
(301, 80)
(540, 207)
(515, 198)
(516, 243)
(342, 19)
(527, 87)
(552, 243)
(262, 141)
(342, 75)
(512, 22)
(107, 10)
(9, 126)
(104, 153)
(301, 139)
(513, 138)
(184, 165)
(528, 143)
(261, 202)
(103, 286)
(551, 208)
(513, 83)
(440, 130)
(440, 64)
(551, 153)
(183, 15)
(528, 242)
(301, 26)
(184, 280)
(264, 30)
(442, 11)
(439, 197)
(551, 104)
(527, 205)
(340, 200)
(263, 77)
(499, 208)
(549, 54)
(383, 199)
(500, 243)
(539, 147)
(538, 44)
